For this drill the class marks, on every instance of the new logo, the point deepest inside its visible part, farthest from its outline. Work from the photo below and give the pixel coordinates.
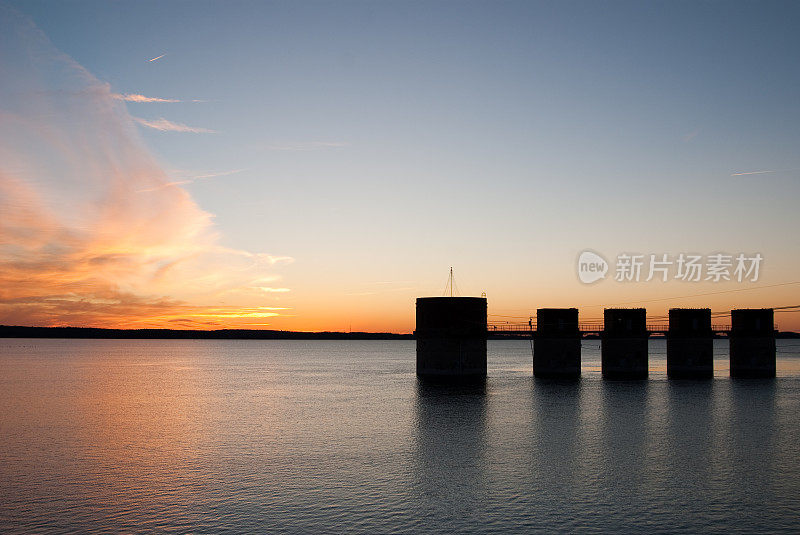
(591, 267)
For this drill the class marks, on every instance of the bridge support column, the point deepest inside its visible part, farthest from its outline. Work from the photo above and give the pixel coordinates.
(752, 343)
(624, 343)
(451, 338)
(690, 344)
(557, 343)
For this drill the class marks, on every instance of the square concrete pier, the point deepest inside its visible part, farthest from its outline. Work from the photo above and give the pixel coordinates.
(624, 343)
(752, 342)
(690, 344)
(451, 338)
(557, 343)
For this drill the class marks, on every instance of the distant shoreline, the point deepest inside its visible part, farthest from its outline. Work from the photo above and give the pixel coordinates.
(13, 331)
(7, 331)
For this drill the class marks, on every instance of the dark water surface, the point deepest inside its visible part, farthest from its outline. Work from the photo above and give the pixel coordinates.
(307, 437)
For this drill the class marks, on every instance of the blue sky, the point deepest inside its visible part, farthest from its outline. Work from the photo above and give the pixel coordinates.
(382, 142)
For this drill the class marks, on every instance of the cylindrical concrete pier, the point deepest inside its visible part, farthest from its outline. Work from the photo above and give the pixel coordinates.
(752, 342)
(557, 343)
(624, 343)
(690, 344)
(451, 338)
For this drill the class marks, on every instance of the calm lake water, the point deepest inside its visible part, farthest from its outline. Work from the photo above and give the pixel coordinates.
(319, 437)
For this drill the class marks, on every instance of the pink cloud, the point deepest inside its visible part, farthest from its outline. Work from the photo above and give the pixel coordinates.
(135, 97)
(78, 244)
(165, 125)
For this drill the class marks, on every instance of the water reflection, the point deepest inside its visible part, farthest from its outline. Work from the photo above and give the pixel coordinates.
(689, 449)
(751, 435)
(556, 450)
(126, 432)
(113, 436)
(690, 427)
(624, 440)
(450, 464)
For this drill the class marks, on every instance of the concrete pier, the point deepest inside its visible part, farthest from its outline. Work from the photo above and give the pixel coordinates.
(690, 344)
(557, 343)
(624, 343)
(451, 338)
(752, 342)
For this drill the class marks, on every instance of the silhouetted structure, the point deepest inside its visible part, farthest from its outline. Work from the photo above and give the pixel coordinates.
(752, 343)
(451, 338)
(557, 343)
(690, 344)
(624, 343)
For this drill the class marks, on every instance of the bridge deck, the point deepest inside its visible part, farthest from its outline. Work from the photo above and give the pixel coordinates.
(520, 329)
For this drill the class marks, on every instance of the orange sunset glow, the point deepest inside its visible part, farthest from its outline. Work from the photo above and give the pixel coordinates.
(94, 232)
(409, 266)
(101, 227)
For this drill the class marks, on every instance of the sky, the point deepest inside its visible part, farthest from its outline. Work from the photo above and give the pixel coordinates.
(319, 165)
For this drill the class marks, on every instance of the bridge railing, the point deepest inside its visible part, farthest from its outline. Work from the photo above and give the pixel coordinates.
(508, 327)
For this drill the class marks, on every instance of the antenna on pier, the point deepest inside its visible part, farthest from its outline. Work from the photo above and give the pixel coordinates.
(451, 287)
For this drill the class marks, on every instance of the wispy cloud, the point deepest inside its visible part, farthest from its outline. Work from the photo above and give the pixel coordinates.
(165, 125)
(156, 58)
(77, 245)
(185, 178)
(766, 172)
(691, 135)
(308, 145)
(135, 97)
(217, 174)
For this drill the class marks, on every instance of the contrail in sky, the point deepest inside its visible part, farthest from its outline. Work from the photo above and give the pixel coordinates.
(168, 126)
(763, 172)
(158, 57)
